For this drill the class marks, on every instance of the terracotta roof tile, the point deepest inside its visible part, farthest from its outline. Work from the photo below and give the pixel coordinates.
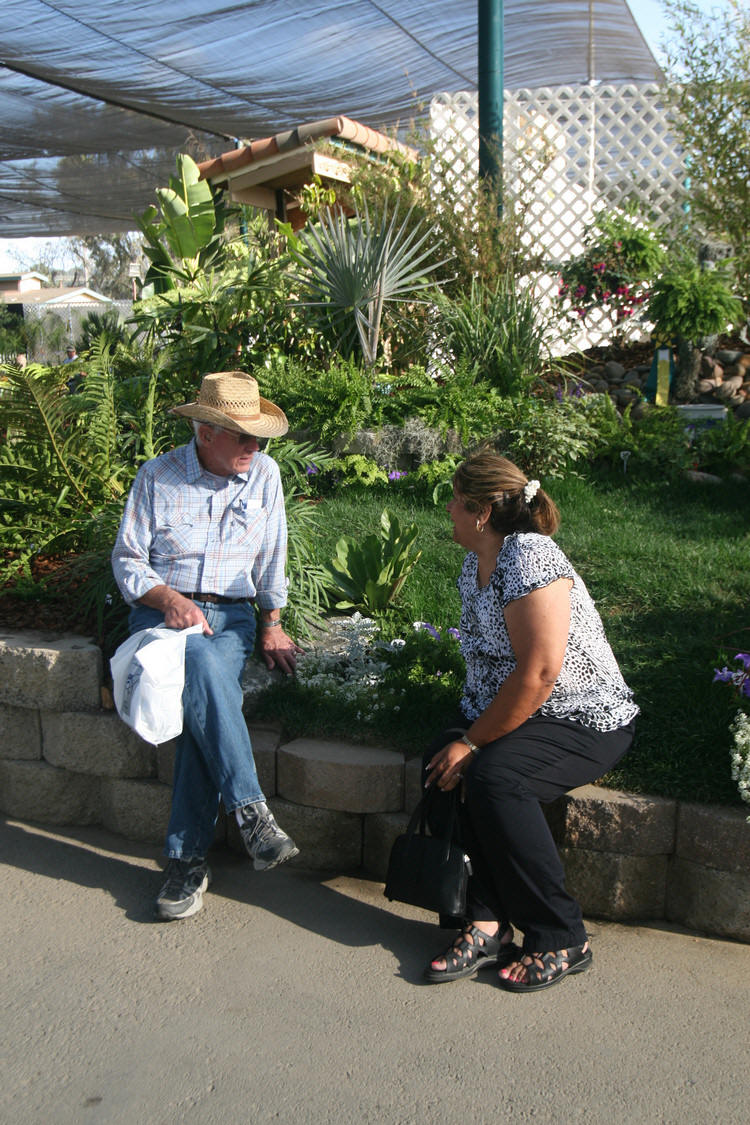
(343, 127)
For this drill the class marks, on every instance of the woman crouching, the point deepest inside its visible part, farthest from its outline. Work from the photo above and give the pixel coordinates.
(544, 709)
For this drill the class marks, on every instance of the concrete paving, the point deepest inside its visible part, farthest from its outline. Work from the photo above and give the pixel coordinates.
(296, 997)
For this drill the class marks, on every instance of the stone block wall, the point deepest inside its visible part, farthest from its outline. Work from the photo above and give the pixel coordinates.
(66, 759)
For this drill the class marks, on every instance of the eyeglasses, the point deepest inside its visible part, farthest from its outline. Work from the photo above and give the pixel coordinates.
(241, 439)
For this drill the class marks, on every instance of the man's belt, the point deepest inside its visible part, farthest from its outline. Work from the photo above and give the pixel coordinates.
(214, 599)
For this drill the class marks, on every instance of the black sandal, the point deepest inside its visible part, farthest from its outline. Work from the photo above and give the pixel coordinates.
(463, 958)
(545, 969)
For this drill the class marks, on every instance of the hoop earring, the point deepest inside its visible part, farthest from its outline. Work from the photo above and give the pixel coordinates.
(480, 527)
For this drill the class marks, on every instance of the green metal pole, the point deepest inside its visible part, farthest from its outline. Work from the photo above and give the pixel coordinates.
(490, 78)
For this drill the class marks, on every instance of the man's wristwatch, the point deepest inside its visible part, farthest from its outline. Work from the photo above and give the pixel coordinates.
(467, 742)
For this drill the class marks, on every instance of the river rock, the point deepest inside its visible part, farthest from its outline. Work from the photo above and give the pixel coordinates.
(729, 388)
(614, 371)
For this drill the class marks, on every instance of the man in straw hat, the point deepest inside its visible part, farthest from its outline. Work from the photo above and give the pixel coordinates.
(203, 536)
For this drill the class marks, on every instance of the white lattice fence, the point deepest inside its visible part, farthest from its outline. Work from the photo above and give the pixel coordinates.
(569, 152)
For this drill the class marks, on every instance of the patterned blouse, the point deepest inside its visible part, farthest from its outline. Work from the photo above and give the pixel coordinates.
(590, 689)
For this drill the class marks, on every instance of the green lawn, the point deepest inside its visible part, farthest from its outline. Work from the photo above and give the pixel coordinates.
(669, 568)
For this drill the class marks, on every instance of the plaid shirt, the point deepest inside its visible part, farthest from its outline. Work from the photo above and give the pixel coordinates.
(185, 528)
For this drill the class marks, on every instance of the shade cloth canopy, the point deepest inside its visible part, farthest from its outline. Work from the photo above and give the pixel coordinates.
(97, 98)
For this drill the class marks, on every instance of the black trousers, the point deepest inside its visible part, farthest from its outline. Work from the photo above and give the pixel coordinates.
(518, 876)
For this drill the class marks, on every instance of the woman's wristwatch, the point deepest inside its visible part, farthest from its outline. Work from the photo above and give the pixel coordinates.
(467, 742)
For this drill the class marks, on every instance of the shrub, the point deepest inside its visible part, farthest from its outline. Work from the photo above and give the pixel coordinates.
(621, 256)
(688, 303)
(723, 447)
(546, 438)
(657, 442)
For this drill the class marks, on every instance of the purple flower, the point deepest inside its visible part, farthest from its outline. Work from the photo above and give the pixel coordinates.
(744, 657)
(396, 474)
(312, 470)
(425, 625)
(723, 676)
(454, 633)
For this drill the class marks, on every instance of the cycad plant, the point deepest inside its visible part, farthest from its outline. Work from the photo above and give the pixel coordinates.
(350, 269)
(67, 462)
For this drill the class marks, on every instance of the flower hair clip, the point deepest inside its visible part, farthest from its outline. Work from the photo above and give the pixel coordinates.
(530, 490)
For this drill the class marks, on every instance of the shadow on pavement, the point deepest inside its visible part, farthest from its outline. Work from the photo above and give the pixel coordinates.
(346, 909)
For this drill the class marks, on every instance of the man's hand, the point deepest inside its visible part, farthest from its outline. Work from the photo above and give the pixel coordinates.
(179, 612)
(278, 649)
(183, 613)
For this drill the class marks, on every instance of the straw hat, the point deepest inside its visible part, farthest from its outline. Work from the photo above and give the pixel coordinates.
(230, 399)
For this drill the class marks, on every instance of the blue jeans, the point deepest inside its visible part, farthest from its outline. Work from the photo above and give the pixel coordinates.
(214, 755)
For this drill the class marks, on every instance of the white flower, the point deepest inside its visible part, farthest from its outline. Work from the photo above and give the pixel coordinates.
(530, 490)
(740, 755)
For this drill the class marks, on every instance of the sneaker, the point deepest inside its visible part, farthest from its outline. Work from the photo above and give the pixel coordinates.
(264, 840)
(182, 893)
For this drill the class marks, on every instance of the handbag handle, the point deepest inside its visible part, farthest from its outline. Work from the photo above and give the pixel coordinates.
(419, 816)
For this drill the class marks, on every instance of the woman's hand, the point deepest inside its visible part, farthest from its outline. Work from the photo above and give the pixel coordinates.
(448, 766)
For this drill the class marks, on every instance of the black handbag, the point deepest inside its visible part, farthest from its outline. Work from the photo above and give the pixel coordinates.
(428, 871)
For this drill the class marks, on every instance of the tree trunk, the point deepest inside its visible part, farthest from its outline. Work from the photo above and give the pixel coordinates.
(688, 369)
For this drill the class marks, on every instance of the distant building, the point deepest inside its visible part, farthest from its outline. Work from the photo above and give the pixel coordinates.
(20, 289)
(58, 310)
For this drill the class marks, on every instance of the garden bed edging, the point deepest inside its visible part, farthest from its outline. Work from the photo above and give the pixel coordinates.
(66, 758)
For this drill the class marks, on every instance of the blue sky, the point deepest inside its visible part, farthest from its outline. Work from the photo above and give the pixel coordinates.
(649, 15)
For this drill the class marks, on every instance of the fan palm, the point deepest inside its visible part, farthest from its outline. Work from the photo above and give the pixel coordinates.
(351, 268)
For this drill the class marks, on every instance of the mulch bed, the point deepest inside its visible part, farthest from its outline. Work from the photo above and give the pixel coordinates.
(27, 605)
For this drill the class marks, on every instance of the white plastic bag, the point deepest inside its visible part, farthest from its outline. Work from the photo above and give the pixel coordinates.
(148, 675)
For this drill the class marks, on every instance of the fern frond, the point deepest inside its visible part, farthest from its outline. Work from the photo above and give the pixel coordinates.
(35, 403)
